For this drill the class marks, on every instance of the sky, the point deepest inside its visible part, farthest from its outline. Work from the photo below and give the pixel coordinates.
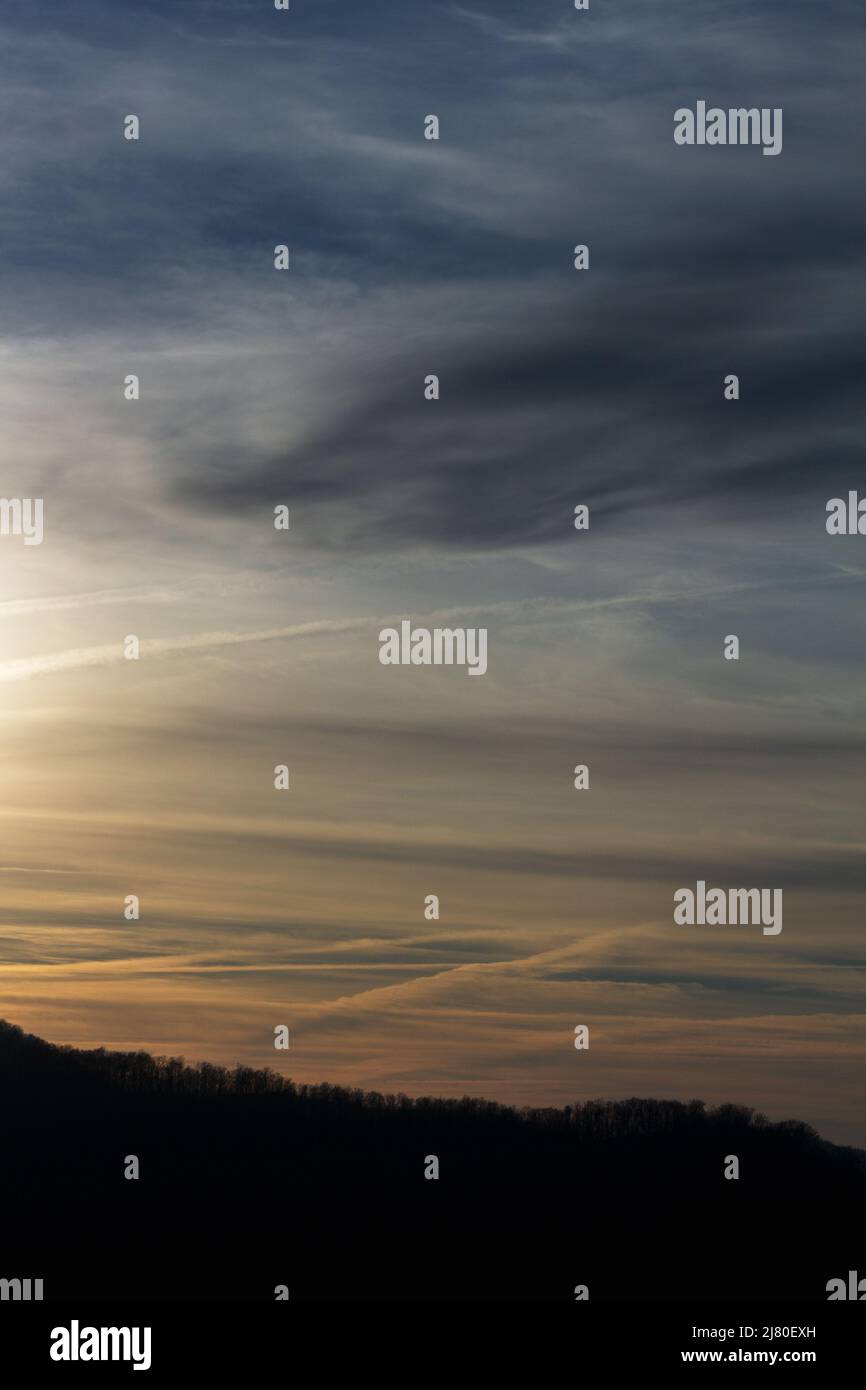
(304, 388)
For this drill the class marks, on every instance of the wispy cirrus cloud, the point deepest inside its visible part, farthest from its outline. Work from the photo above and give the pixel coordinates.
(79, 658)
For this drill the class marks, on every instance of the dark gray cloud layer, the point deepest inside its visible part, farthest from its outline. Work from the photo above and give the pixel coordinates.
(557, 387)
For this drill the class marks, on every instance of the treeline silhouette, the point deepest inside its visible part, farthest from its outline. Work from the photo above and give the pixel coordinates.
(249, 1180)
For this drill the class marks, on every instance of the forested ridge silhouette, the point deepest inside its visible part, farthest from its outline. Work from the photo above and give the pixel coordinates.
(250, 1180)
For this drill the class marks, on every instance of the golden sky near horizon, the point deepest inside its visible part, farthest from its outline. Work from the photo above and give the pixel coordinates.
(306, 907)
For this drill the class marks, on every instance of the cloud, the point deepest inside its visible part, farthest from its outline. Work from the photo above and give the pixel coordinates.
(58, 603)
(24, 668)
(456, 258)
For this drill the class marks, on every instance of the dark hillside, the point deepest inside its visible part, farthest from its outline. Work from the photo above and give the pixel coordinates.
(249, 1181)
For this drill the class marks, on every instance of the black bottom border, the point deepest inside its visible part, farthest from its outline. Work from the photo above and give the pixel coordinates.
(207, 1339)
